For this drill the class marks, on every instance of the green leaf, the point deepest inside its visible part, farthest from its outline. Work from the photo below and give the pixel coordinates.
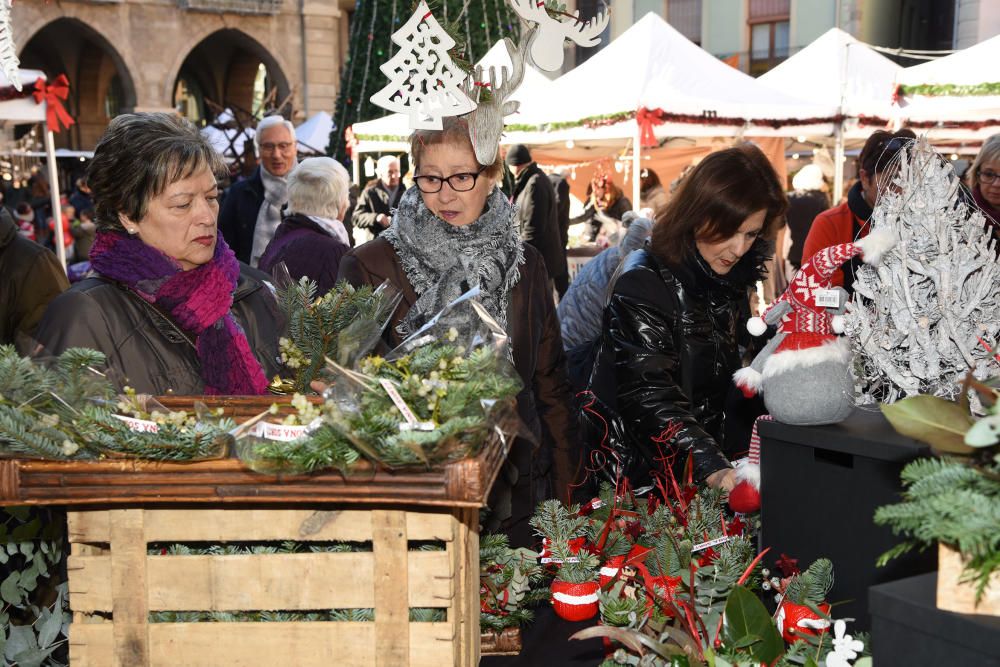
(746, 617)
(810, 662)
(939, 423)
(9, 590)
(33, 657)
(19, 512)
(51, 624)
(27, 531)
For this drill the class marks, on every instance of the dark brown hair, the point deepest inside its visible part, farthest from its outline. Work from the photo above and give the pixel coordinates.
(137, 157)
(716, 198)
(881, 147)
(454, 130)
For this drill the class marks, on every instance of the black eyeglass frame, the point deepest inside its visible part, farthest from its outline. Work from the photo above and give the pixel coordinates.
(447, 179)
(987, 177)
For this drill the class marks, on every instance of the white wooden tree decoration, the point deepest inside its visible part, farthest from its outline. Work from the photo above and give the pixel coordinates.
(9, 62)
(424, 82)
(492, 103)
(934, 300)
(546, 50)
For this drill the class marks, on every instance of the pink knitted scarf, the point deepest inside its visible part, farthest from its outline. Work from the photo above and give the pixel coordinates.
(198, 301)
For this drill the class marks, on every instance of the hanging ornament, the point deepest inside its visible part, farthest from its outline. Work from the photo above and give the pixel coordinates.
(547, 38)
(8, 51)
(424, 82)
(369, 167)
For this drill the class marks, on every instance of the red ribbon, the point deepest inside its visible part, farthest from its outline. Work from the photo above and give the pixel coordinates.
(52, 95)
(647, 118)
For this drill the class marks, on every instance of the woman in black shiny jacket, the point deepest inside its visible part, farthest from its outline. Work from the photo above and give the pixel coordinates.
(675, 323)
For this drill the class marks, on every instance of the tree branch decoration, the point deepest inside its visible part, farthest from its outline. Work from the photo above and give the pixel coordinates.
(926, 311)
(9, 61)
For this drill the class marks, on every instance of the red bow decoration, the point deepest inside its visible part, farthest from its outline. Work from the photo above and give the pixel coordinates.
(647, 118)
(52, 94)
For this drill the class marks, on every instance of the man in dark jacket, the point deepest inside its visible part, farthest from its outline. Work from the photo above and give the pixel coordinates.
(374, 210)
(537, 211)
(31, 277)
(251, 211)
(561, 186)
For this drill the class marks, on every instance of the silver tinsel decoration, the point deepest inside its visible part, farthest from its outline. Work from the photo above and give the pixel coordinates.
(921, 317)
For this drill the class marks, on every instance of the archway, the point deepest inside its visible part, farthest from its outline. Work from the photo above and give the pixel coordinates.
(101, 86)
(229, 69)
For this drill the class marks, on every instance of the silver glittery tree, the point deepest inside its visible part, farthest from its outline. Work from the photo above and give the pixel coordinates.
(928, 311)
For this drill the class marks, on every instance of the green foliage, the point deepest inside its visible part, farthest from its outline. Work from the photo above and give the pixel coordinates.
(511, 582)
(61, 410)
(35, 616)
(748, 625)
(342, 325)
(938, 422)
(952, 502)
(558, 523)
(952, 89)
(811, 586)
(620, 610)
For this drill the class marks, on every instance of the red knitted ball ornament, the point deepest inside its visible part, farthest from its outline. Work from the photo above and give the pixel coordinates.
(575, 602)
(744, 498)
(610, 569)
(788, 617)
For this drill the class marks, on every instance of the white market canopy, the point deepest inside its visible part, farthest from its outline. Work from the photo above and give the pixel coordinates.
(313, 135)
(956, 96)
(652, 65)
(837, 70)
(391, 132)
(228, 142)
(25, 109)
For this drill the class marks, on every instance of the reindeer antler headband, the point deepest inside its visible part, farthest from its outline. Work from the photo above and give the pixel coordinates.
(426, 84)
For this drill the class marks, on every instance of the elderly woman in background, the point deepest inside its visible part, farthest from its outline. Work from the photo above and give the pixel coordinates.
(984, 180)
(312, 239)
(676, 321)
(456, 231)
(171, 307)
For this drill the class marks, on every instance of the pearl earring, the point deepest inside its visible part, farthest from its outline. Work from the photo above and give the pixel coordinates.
(133, 231)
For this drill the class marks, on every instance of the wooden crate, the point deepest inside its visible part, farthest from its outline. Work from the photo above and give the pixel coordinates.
(110, 573)
(955, 595)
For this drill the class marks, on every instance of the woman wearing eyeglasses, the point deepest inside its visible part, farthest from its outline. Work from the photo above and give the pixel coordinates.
(454, 231)
(984, 179)
(848, 222)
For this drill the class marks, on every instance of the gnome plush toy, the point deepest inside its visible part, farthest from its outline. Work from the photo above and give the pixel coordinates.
(803, 373)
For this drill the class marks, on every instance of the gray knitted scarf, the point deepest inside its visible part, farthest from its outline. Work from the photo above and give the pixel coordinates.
(443, 261)
(269, 214)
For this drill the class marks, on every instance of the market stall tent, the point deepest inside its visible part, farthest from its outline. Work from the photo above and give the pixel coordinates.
(23, 110)
(839, 71)
(955, 97)
(313, 136)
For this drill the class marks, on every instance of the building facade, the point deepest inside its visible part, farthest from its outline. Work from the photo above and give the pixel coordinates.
(192, 56)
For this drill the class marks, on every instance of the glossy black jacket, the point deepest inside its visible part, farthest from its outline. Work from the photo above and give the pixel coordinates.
(672, 338)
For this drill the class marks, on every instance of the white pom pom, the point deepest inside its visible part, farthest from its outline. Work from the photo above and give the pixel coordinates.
(876, 244)
(837, 324)
(756, 326)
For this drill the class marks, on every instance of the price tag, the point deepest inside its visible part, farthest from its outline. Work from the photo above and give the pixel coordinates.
(711, 543)
(827, 298)
(139, 425)
(411, 423)
(280, 432)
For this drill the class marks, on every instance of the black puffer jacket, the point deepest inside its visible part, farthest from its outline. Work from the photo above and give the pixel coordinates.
(144, 349)
(671, 342)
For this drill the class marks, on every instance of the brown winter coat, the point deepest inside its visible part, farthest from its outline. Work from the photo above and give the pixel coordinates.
(545, 404)
(30, 277)
(146, 350)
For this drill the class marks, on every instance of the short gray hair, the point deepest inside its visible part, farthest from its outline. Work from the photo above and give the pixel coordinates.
(268, 122)
(137, 157)
(382, 166)
(990, 152)
(318, 186)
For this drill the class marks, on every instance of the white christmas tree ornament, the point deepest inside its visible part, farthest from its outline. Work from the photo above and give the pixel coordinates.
(424, 82)
(9, 62)
(928, 312)
(547, 48)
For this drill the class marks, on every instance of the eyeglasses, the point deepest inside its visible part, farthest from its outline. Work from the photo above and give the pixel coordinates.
(988, 177)
(283, 146)
(458, 182)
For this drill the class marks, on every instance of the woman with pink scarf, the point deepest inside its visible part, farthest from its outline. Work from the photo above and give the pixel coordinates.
(171, 307)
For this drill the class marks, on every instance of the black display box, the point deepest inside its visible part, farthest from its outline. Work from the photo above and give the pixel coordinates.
(820, 486)
(908, 628)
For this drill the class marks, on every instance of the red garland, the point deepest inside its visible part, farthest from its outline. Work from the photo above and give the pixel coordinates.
(932, 124)
(649, 117)
(8, 93)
